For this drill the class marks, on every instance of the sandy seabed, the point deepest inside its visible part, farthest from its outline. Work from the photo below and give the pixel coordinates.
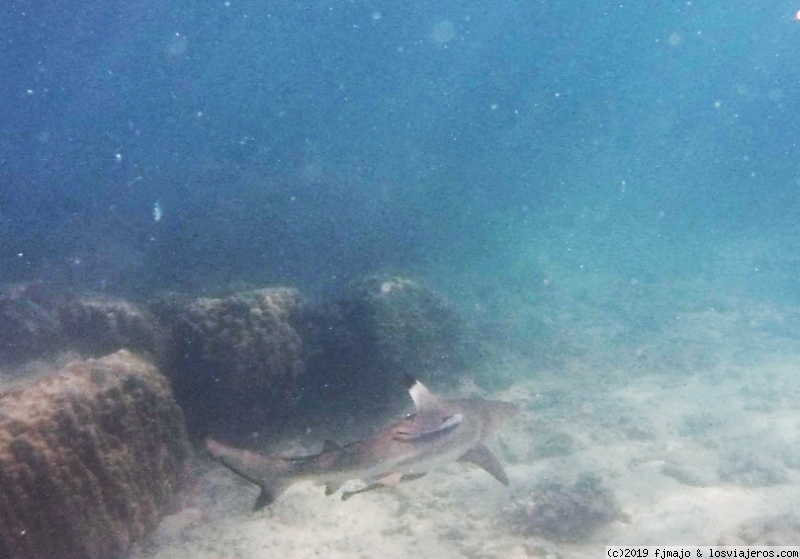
(706, 457)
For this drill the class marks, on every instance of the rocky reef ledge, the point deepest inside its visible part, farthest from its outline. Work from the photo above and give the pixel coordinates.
(91, 457)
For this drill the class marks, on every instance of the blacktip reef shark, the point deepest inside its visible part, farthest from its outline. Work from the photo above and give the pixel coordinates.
(441, 431)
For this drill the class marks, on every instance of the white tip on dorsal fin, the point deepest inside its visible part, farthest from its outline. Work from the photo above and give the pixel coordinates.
(423, 398)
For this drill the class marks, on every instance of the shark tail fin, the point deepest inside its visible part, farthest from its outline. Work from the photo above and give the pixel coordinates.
(270, 490)
(273, 474)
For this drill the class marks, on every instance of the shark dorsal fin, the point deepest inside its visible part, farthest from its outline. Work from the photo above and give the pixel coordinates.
(423, 398)
(330, 446)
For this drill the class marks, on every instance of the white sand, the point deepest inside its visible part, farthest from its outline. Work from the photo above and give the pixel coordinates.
(693, 457)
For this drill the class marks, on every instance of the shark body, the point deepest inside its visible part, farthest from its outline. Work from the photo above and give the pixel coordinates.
(441, 431)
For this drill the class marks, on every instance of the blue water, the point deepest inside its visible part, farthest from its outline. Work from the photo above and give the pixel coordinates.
(609, 192)
(309, 142)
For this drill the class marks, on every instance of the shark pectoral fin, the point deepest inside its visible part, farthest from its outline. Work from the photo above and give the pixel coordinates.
(483, 458)
(331, 488)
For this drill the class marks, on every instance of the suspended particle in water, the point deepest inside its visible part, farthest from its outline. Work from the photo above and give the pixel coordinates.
(443, 32)
(176, 46)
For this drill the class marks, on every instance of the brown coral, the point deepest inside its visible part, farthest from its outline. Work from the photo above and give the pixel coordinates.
(415, 328)
(397, 325)
(237, 354)
(90, 458)
(382, 327)
(99, 325)
(29, 324)
(36, 322)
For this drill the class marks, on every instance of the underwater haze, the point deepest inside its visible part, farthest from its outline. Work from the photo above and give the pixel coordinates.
(608, 192)
(311, 140)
